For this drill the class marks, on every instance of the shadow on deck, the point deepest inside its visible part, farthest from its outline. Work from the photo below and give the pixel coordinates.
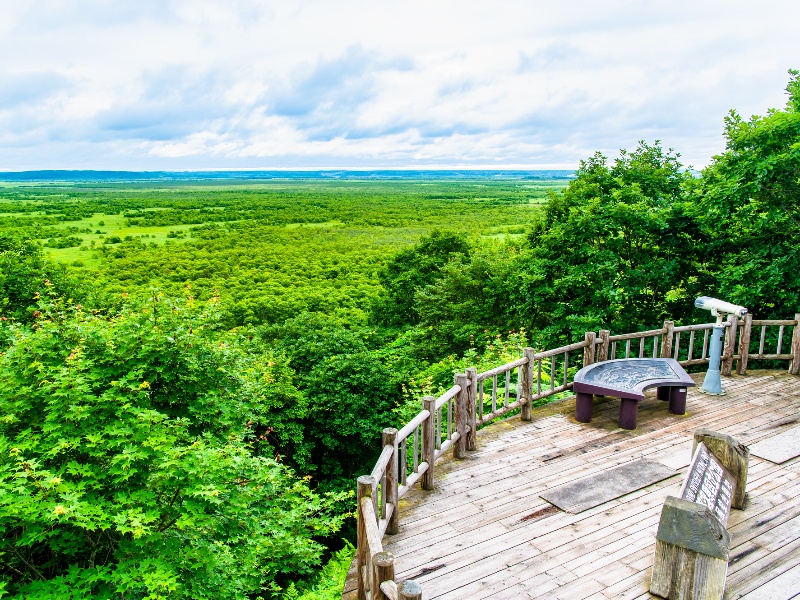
(484, 532)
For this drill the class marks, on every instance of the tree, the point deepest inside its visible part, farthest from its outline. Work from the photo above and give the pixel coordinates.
(23, 272)
(351, 391)
(410, 271)
(748, 204)
(468, 304)
(311, 338)
(616, 248)
(137, 459)
(353, 398)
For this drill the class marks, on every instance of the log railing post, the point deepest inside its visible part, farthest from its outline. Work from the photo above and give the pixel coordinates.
(390, 491)
(429, 441)
(602, 350)
(522, 388)
(472, 418)
(460, 402)
(588, 351)
(666, 339)
(744, 345)
(526, 372)
(730, 345)
(382, 570)
(409, 590)
(794, 368)
(363, 490)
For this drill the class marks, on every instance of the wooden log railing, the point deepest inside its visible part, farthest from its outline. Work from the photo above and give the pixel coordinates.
(505, 394)
(642, 347)
(746, 342)
(451, 420)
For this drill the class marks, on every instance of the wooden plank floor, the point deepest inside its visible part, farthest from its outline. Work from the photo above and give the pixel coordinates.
(484, 532)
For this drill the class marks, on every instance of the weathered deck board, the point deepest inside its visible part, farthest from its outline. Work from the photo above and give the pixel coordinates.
(485, 533)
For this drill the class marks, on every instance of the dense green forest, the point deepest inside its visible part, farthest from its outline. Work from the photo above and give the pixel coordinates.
(192, 376)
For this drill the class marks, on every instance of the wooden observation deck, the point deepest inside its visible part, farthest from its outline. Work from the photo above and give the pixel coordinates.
(479, 528)
(485, 533)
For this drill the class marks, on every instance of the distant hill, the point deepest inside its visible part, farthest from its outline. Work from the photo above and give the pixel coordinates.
(126, 176)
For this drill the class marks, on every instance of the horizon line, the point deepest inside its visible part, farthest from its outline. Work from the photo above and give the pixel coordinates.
(290, 169)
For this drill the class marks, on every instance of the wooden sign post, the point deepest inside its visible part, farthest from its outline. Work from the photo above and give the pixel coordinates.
(709, 483)
(692, 543)
(733, 455)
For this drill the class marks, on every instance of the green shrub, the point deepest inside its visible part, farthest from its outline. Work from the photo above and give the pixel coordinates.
(330, 582)
(411, 270)
(64, 242)
(137, 459)
(24, 274)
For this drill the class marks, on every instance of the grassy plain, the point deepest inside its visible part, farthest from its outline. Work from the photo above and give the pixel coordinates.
(270, 250)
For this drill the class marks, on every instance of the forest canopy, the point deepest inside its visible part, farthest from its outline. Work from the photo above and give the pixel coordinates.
(193, 375)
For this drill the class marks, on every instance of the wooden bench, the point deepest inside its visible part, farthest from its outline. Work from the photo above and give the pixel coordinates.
(627, 379)
(692, 543)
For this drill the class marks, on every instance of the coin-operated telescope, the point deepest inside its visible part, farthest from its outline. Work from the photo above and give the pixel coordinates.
(712, 384)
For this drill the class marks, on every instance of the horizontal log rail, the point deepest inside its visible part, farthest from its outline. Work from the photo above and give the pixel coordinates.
(637, 335)
(447, 396)
(700, 327)
(422, 468)
(770, 322)
(451, 420)
(412, 425)
(769, 356)
(557, 351)
(502, 369)
(383, 461)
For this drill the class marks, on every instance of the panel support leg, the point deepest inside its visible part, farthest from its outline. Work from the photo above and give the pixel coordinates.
(583, 407)
(628, 412)
(677, 401)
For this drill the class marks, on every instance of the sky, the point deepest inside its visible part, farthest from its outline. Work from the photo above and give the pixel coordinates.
(247, 84)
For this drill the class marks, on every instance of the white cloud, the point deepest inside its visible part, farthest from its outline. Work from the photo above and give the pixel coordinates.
(248, 83)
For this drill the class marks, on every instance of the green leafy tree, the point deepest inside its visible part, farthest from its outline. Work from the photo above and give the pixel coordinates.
(749, 206)
(310, 338)
(137, 459)
(329, 583)
(350, 389)
(410, 270)
(353, 397)
(23, 272)
(615, 248)
(468, 304)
